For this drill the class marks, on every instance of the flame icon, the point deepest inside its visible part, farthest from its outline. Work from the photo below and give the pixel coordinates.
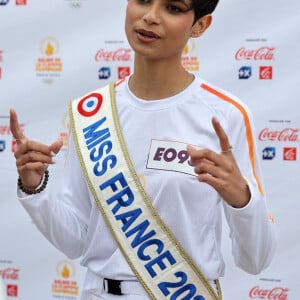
(49, 50)
(185, 49)
(49, 46)
(189, 47)
(271, 218)
(65, 269)
(65, 272)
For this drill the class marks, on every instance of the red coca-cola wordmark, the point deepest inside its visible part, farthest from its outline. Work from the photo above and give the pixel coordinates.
(9, 274)
(284, 135)
(121, 54)
(262, 53)
(276, 293)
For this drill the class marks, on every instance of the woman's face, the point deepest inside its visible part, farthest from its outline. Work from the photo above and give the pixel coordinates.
(159, 29)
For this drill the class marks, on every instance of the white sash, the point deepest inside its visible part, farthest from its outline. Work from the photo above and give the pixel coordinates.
(157, 259)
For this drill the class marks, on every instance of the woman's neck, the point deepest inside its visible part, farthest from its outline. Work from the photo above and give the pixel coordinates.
(153, 80)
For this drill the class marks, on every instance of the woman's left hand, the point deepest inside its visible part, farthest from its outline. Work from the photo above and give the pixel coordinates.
(220, 170)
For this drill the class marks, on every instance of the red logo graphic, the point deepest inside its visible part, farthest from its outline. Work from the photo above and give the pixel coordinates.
(290, 153)
(10, 274)
(5, 130)
(90, 105)
(0, 73)
(276, 293)
(266, 72)
(122, 54)
(12, 290)
(123, 72)
(14, 146)
(263, 53)
(21, 2)
(284, 135)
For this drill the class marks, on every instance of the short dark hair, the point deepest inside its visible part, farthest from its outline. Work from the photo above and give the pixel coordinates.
(203, 7)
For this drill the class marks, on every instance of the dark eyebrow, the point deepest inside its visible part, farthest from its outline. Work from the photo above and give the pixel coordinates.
(181, 1)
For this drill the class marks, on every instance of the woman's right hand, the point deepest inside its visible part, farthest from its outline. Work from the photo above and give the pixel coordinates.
(32, 158)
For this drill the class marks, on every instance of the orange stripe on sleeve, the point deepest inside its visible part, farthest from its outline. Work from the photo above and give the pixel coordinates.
(247, 125)
(119, 82)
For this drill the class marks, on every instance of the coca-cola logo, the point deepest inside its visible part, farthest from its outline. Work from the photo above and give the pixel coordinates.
(263, 53)
(5, 130)
(284, 135)
(10, 274)
(276, 293)
(121, 54)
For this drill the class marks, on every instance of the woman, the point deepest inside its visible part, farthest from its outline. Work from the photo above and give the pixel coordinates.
(171, 123)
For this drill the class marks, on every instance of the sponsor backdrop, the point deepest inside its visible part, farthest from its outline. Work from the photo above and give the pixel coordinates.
(52, 51)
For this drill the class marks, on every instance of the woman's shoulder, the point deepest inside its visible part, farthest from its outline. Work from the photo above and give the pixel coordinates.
(213, 94)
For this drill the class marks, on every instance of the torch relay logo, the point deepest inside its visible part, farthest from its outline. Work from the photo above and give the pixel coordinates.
(49, 65)
(65, 270)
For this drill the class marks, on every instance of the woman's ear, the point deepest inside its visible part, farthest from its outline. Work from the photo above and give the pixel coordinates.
(201, 25)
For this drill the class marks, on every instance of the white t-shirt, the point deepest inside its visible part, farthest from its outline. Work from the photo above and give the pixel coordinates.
(156, 133)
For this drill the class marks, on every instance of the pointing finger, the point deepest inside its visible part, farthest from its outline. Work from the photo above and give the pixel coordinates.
(223, 139)
(15, 127)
